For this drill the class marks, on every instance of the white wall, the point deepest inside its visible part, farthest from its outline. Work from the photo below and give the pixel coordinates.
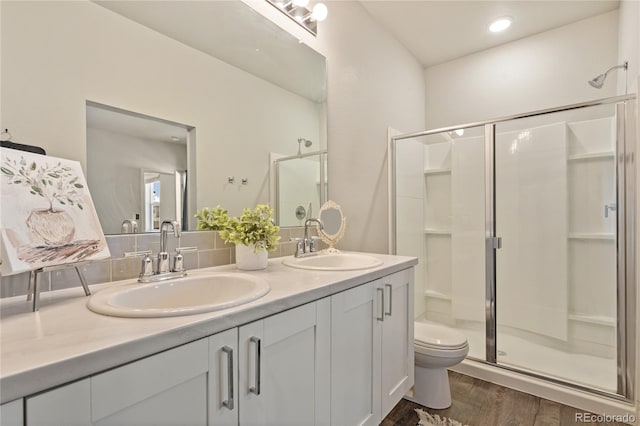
(628, 44)
(374, 83)
(57, 55)
(542, 71)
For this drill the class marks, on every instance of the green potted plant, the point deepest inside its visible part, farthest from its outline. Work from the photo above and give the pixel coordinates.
(214, 219)
(253, 233)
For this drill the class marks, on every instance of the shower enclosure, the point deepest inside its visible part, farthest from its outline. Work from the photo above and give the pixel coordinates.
(299, 186)
(524, 227)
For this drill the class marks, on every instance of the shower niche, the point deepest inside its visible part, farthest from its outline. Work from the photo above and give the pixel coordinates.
(552, 201)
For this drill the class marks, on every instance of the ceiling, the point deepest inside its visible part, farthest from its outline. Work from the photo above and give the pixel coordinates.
(236, 34)
(440, 31)
(136, 125)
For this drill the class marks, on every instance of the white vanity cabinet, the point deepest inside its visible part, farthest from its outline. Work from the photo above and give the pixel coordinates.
(355, 357)
(285, 367)
(276, 369)
(371, 349)
(68, 405)
(345, 359)
(11, 413)
(168, 388)
(397, 355)
(165, 389)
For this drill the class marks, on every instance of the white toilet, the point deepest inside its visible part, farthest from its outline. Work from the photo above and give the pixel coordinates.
(436, 347)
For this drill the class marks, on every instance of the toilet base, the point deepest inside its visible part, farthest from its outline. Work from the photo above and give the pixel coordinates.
(431, 387)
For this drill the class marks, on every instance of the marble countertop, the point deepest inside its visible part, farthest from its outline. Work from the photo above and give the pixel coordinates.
(64, 341)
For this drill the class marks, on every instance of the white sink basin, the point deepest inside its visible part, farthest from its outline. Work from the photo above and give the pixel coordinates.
(193, 294)
(333, 262)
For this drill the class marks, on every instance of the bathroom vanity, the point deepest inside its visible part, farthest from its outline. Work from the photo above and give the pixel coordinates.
(322, 347)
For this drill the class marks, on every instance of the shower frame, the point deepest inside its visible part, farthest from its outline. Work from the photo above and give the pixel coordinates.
(322, 157)
(625, 116)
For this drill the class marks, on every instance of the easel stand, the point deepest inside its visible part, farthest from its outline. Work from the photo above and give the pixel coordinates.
(34, 281)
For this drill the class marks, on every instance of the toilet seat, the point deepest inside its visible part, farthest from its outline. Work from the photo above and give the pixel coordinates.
(435, 336)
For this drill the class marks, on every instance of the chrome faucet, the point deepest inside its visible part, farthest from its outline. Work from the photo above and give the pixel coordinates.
(163, 256)
(307, 245)
(129, 227)
(163, 270)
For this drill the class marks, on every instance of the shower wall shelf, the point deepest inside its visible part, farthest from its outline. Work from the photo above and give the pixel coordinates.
(592, 319)
(437, 232)
(437, 295)
(437, 171)
(592, 155)
(592, 236)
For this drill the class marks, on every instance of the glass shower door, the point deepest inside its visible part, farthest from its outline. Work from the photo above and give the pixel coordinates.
(556, 220)
(439, 215)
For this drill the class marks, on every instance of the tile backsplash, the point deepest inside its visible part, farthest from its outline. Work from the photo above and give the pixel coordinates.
(211, 251)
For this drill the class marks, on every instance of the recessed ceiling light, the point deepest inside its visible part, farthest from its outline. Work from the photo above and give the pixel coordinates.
(500, 24)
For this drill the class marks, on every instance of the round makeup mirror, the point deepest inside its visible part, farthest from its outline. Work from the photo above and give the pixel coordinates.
(333, 223)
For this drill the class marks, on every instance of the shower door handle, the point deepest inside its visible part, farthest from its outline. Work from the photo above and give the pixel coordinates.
(609, 207)
(496, 243)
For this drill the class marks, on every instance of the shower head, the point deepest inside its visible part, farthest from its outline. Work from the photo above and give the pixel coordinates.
(307, 144)
(598, 81)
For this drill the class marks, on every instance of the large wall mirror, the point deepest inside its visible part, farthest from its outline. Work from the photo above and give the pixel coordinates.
(170, 106)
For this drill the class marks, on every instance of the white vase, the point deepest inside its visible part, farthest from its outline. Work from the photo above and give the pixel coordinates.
(248, 260)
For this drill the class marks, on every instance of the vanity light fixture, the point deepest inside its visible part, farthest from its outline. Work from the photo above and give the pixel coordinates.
(500, 24)
(298, 11)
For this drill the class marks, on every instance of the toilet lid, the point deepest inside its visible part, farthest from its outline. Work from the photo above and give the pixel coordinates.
(438, 336)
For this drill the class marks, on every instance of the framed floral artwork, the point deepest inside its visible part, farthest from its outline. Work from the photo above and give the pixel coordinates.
(47, 216)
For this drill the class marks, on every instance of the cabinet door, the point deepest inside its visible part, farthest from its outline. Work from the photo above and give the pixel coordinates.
(223, 378)
(169, 388)
(11, 413)
(397, 338)
(285, 366)
(356, 316)
(67, 405)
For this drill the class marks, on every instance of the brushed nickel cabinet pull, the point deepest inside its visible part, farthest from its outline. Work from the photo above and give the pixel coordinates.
(229, 401)
(256, 389)
(381, 317)
(390, 287)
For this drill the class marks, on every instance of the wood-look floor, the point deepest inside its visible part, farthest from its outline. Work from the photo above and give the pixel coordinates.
(479, 403)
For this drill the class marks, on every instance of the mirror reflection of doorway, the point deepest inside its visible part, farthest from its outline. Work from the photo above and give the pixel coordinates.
(163, 197)
(152, 187)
